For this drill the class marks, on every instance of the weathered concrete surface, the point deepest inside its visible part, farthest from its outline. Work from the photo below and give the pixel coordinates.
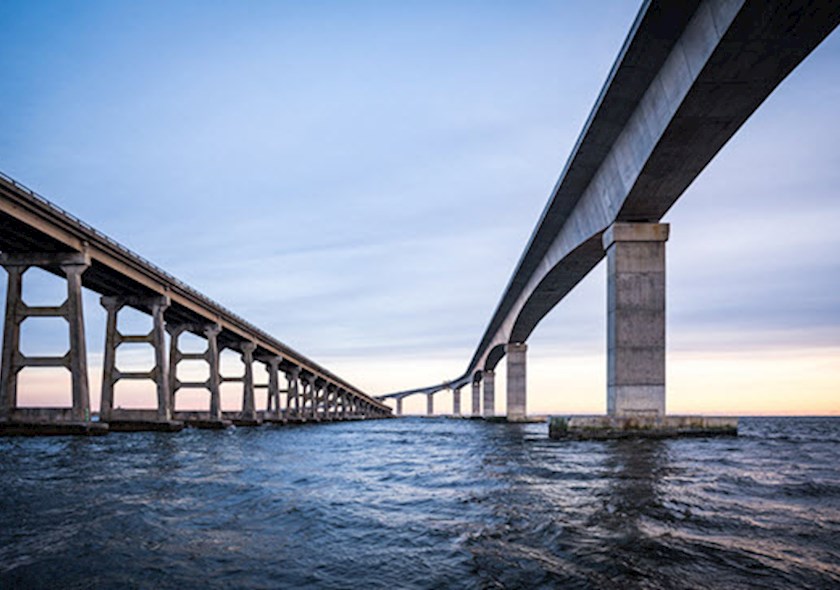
(205, 420)
(133, 420)
(58, 428)
(636, 318)
(612, 427)
(48, 421)
(516, 381)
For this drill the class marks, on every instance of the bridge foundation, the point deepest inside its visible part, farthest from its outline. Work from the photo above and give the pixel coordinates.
(430, 404)
(636, 318)
(399, 406)
(77, 418)
(489, 380)
(126, 419)
(516, 381)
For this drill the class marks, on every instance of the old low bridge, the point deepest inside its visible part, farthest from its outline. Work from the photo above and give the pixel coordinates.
(36, 233)
(689, 75)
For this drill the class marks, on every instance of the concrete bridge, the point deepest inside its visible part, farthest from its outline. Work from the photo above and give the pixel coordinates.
(36, 233)
(688, 76)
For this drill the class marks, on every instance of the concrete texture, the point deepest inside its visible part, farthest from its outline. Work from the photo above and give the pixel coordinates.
(612, 427)
(488, 378)
(516, 381)
(636, 318)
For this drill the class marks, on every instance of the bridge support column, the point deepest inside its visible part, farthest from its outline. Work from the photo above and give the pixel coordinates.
(74, 420)
(476, 398)
(430, 404)
(293, 395)
(273, 410)
(213, 418)
(399, 406)
(516, 354)
(131, 419)
(248, 417)
(456, 401)
(636, 318)
(489, 380)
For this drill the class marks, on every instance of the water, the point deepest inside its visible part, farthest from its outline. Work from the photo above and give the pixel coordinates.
(418, 503)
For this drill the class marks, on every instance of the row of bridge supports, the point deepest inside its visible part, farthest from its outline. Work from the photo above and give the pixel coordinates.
(635, 333)
(308, 397)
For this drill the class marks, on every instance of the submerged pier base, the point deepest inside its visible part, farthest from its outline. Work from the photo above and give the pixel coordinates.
(613, 427)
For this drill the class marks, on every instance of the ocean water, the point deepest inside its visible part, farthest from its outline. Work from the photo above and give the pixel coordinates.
(422, 503)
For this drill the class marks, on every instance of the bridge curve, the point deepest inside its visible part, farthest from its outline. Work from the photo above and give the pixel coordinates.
(686, 79)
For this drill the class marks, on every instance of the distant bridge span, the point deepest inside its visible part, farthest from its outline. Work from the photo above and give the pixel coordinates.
(687, 77)
(36, 233)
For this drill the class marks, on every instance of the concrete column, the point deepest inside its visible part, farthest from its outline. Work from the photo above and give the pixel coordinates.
(175, 332)
(488, 378)
(430, 404)
(272, 406)
(456, 401)
(636, 318)
(211, 332)
(249, 409)
(11, 341)
(293, 395)
(516, 381)
(399, 406)
(161, 372)
(476, 397)
(109, 365)
(78, 348)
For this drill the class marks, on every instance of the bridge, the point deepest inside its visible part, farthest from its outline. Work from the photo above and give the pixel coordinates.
(36, 233)
(687, 77)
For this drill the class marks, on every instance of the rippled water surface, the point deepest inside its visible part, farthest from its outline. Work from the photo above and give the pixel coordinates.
(422, 503)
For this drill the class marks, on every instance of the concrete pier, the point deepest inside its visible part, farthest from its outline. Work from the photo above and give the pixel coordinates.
(212, 419)
(248, 416)
(516, 381)
(430, 404)
(456, 401)
(122, 419)
(489, 380)
(399, 406)
(476, 397)
(77, 418)
(636, 318)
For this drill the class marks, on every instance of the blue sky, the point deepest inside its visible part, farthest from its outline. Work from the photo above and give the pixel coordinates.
(359, 178)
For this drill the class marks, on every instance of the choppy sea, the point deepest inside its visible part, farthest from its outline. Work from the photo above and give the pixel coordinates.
(422, 503)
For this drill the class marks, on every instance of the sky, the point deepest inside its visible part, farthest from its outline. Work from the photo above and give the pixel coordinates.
(359, 179)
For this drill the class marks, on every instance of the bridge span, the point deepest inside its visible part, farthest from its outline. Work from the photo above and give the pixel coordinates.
(36, 233)
(687, 77)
